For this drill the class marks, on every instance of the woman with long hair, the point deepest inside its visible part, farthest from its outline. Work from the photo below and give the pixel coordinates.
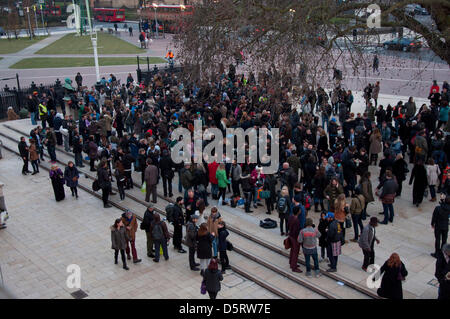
(212, 277)
(394, 273)
(204, 246)
(119, 239)
(340, 212)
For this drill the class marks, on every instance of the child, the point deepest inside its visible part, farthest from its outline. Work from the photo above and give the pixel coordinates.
(223, 234)
(323, 224)
(308, 238)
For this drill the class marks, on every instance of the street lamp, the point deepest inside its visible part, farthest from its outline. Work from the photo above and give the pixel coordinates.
(155, 6)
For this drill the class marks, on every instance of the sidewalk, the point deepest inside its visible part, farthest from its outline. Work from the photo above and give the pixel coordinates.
(10, 59)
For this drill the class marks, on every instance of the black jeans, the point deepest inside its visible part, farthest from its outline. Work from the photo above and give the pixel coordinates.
(192, 257)
(283, 221)
(222, 192)
(357, 221)
(440, 235)
(235, 187)
(92, 163)
(122, 255)
(167, 182)
(35, 166)
(121, 189)
(25, 165)
(105, 194)
(224, 259)
(78, 160)
(369, 257)
(74, 191)
(269, 205)
(177, 234)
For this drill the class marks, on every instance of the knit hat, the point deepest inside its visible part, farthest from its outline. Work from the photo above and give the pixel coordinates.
(373, 221)
(329, 215)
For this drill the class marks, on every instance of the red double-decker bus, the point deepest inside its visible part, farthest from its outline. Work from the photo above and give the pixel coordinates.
(109, 14)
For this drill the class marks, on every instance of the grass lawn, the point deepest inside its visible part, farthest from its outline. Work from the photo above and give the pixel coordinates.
(106, 43)
(41, 63)
(13, 45)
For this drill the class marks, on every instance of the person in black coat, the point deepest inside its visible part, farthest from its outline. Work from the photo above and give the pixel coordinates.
(322, 228)
(269, 185)
(439, 222)
(204, 241)
(104, 182)
(71, 175)
(222, 247)
(24, 154)
(178, 222)
(167, 172)
(419, 175)
(399, 169)
(212, 277)
(394, 273)
(443, 272)
(146, 226)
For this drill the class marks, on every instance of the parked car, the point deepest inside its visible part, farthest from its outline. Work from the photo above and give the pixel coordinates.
(420, 11)
(403, 44)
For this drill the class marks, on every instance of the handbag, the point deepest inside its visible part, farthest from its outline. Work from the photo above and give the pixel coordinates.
(144, 187)
(229, 246)
(348, 222)
(399, 276)
(287, 243)
(203, 287)
(264, 194)
(95, 186)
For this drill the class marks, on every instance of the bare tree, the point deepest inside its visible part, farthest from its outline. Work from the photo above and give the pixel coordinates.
(301, 39)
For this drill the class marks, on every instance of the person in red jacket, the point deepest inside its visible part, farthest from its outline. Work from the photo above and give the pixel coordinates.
(435, 87)
(212, 168)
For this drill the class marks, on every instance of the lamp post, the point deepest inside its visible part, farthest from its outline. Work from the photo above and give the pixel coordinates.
(94, 41)
(155, 6)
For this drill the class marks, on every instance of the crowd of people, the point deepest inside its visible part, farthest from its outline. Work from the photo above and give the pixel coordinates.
(324, 161)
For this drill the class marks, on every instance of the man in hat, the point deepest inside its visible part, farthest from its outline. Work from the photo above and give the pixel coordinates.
(367, 242)
(191, 234)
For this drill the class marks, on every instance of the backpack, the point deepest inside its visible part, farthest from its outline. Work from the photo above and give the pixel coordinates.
(169, 212)
(308, 201)
(282, 205)
(268, 223)
(157, 233)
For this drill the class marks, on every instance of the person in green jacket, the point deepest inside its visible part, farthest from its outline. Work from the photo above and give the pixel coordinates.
(223, 182)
